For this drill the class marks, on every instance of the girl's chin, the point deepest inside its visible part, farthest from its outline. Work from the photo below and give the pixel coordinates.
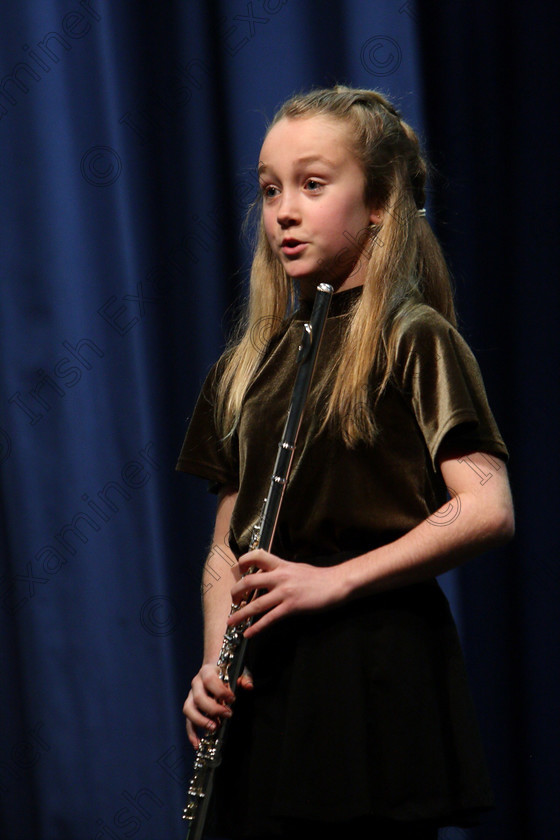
(316, 272)
(301, 272)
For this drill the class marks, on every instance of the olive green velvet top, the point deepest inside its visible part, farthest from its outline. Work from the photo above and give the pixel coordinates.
(341, 499)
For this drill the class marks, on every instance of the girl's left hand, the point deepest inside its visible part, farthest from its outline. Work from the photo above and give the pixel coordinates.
(285, 587)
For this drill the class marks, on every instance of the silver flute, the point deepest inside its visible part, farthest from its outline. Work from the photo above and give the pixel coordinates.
(232, 654)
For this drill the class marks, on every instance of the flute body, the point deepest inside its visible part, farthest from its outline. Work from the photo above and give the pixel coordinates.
(232, 654)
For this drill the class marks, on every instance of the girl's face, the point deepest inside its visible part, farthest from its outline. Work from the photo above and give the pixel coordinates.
(314, 212)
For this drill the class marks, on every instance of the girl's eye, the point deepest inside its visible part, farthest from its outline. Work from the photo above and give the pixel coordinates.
(269, 191)
(313, 185)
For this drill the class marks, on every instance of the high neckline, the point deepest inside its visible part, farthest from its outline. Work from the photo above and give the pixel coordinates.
(341, 302)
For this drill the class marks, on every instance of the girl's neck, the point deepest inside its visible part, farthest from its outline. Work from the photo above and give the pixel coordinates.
(307, 288)
(341, 303)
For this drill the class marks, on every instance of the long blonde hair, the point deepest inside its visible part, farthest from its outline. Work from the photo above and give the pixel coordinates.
(405, 266)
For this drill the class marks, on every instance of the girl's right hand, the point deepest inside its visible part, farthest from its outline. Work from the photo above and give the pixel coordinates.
(209, 701)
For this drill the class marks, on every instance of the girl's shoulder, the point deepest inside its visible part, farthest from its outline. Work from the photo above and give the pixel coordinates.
(424, 340)
(420, 319)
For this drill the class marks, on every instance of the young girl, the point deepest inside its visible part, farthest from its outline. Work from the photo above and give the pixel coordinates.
(353, 717)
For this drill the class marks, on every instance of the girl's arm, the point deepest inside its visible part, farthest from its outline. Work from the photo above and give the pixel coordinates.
(208, 693)
(478, 518)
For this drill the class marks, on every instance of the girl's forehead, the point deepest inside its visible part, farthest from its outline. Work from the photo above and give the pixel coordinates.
(301, 136)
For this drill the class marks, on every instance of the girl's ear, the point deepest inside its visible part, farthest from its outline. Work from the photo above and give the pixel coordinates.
(376, 216)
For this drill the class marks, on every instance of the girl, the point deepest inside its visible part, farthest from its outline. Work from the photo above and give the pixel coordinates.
(354, 718)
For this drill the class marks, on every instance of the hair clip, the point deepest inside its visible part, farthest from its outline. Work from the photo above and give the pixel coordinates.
(421, 212)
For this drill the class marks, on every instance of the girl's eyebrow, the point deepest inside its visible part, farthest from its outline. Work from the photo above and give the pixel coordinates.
(315, 159)
(305, 159)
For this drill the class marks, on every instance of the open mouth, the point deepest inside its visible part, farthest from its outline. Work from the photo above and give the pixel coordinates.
(292, 246)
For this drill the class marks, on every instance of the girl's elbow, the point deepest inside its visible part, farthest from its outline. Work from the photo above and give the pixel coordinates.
(503, 524)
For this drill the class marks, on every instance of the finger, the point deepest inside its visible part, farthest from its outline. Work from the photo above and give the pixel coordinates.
(206, 706)
(192, 736)
(256, 606)
(201, 719)
(198, 716)
(265, 621)
(210, 695)
(198, 723)
(208, 682)
(248, 584)
(246, 680)
(258, 557)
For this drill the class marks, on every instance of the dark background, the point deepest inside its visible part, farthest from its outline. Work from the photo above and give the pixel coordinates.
(129, 134)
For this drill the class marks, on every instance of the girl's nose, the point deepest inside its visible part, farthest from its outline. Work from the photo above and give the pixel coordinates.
(288, 210)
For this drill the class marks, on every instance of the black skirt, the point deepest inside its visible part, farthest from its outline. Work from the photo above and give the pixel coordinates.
(362, 710)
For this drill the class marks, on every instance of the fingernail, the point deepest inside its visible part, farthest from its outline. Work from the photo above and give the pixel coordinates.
(211, 726)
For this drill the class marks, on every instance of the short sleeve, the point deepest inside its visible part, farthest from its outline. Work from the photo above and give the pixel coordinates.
(203, 452)
(442, 379)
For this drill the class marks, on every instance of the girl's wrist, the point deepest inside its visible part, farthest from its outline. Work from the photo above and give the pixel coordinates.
(345, 585)
(359, 576)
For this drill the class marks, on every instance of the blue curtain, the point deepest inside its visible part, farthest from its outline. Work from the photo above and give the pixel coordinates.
(129, 135)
